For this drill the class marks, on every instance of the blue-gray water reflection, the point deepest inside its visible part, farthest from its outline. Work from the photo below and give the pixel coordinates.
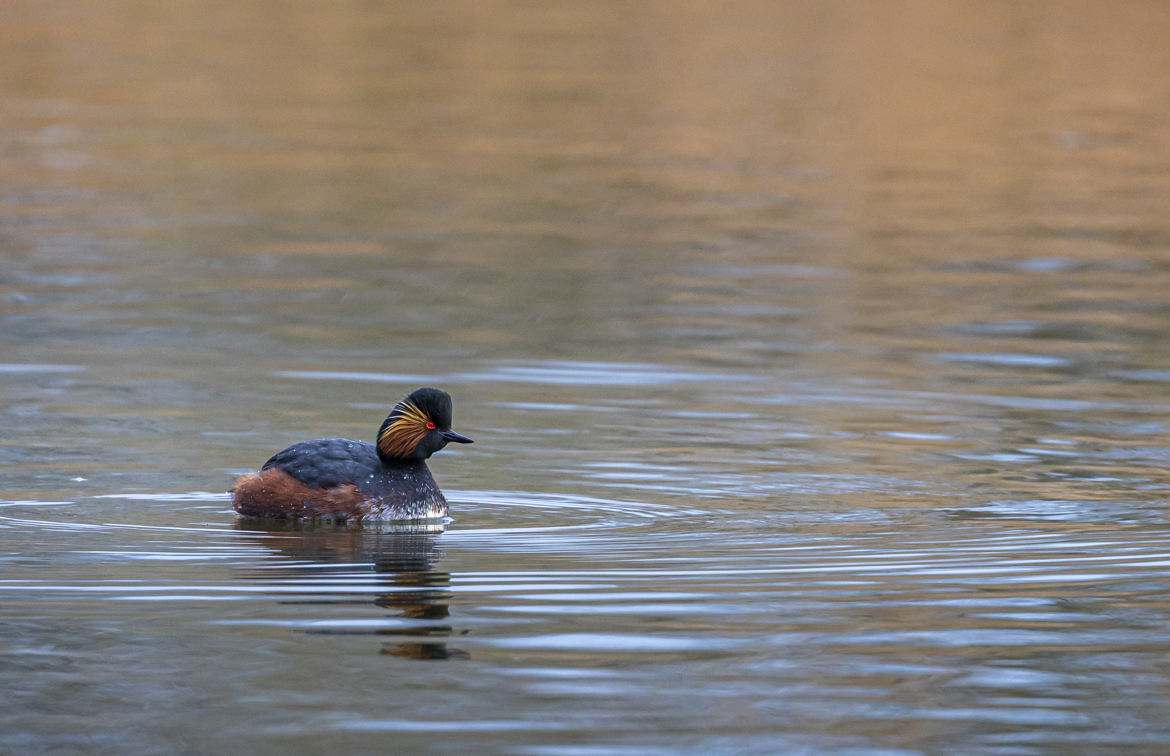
(816, 354)
(397, 561)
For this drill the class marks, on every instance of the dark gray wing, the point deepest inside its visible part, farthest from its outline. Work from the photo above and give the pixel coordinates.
(327, 462)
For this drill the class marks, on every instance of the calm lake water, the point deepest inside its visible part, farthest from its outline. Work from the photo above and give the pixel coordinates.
(817, 357)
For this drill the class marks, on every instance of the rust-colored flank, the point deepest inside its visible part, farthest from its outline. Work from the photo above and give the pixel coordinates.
(275, 493)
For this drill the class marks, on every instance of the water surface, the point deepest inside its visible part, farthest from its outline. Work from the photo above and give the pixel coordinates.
(816, 356)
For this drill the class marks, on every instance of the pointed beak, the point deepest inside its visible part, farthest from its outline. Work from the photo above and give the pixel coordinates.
(451, 435)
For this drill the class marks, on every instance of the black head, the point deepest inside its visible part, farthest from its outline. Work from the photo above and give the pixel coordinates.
(417, 427)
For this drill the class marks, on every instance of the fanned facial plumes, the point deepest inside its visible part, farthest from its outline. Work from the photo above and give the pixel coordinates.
(404, 431)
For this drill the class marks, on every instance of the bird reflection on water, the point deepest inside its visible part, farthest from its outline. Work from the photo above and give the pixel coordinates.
(401, 557)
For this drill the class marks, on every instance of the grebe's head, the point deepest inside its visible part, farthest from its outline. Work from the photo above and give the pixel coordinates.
(417, 427)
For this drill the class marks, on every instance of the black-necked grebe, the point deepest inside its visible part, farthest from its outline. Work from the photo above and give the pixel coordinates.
(340, 479)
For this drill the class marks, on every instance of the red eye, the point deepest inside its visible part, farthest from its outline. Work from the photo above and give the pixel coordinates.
(430, 425)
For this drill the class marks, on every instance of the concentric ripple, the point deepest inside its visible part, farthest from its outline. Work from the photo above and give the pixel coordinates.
(573, 607)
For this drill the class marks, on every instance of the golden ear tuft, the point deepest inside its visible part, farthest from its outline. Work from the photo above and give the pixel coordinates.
(402, 436)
